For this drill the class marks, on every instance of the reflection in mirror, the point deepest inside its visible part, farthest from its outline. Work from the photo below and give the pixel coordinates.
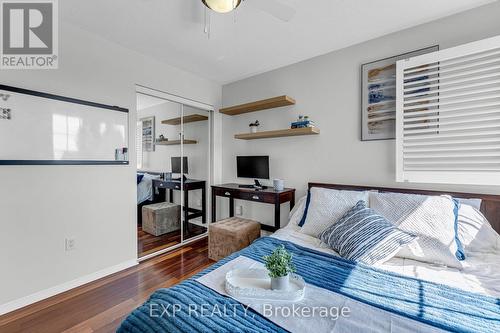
(173, 176)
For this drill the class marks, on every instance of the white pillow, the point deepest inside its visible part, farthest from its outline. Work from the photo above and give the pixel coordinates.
(297, 212)
(476, 203)
(327, 206)
(431, 218)
(475, 232)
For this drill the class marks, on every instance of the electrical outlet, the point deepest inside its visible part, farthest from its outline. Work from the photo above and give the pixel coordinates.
(239, 210)
(70, 244)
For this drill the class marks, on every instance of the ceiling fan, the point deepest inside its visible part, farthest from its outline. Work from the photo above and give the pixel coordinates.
(275, 8)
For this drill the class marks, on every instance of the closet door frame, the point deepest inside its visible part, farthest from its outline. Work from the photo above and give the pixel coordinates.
(202, 106)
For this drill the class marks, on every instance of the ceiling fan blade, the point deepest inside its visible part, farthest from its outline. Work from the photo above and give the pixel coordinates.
(275, 8)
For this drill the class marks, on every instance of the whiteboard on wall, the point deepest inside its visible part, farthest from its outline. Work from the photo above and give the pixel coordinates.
(41, 128)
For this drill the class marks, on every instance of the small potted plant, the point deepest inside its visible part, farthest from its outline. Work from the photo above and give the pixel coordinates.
(279, 265)
(253, 126)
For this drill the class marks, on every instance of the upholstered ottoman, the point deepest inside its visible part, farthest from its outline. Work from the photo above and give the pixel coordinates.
(231, 235)
(161, 218)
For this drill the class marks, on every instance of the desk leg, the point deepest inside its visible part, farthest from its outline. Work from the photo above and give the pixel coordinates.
(277, 215)
(186, 213)
(231, 207)
(170, 196)
(214, 206)
(204, 205)
(161, 196)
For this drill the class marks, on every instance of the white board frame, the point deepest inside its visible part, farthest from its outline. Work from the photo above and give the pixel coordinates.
(68, 100)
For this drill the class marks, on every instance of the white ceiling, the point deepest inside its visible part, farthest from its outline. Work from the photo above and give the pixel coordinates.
(250, 41)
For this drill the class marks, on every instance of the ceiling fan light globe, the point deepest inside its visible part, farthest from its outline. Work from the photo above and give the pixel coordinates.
(222, 6)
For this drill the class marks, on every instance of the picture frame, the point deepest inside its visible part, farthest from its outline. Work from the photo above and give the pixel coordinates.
(378, 96)
(148, 134)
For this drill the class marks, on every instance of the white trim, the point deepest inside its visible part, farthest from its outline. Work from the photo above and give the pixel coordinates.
(171, 248)
(44, 294)
(173, 98)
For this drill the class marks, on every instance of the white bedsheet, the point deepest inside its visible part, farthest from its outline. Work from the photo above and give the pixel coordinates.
(481, 272)
(361, 317)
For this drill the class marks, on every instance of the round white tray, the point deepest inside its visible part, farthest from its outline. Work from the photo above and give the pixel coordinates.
(256, 284)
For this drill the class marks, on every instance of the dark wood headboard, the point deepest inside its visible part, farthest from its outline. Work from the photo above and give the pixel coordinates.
(490, 205)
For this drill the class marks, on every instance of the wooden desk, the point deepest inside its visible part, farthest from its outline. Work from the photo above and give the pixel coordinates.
(189, 185)
(268, 196)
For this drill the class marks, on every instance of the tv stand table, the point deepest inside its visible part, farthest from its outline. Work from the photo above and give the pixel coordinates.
(268, 196)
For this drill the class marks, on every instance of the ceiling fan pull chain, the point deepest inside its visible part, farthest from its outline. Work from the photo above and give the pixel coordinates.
(207, 23)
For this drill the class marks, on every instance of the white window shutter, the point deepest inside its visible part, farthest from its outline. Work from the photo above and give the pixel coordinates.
(138, 144)
(448, 115)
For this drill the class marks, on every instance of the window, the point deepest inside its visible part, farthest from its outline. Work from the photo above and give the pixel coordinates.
(138, 144)
(448, 116)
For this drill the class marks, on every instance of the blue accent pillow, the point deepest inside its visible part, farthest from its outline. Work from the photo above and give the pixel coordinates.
(304, 216)
(460, 254)
(363, 235)
(139, 177)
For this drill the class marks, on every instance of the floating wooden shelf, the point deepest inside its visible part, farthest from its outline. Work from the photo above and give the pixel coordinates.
(278, 133)
(176, 142)
(187, 119)
(264, 104)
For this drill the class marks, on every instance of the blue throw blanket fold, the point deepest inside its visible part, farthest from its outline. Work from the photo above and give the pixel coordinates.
(168, 310)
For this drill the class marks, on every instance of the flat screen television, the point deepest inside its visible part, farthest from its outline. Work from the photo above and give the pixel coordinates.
(256, 167)
(176, 164)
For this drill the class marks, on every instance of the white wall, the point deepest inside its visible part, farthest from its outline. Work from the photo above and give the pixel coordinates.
(327, 88)
(42, 205)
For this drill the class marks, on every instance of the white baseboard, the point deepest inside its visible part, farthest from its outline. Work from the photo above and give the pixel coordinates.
(41, 295)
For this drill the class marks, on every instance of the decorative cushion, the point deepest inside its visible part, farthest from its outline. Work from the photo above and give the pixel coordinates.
(327, 206)
(363, 235)
(475, 232)
(431, 218)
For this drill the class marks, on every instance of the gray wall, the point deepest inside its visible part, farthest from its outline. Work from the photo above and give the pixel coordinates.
(327, 88)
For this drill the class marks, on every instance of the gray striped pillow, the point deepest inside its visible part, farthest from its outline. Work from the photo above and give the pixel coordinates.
(363, 235)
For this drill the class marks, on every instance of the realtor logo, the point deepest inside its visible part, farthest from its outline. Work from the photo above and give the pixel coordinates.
(29, 34)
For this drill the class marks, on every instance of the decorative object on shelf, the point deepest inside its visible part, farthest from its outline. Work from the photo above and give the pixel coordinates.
(161, 139)
(279, 184)
(148, 134)
(279, 265)
(302, 122)
(378, 96)
(254, 126)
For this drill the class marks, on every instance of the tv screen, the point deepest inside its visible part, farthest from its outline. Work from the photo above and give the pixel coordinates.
(256, 167)
(176, 164)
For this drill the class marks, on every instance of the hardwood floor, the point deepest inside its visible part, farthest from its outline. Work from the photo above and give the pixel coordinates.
(148, 243)
(101, 306)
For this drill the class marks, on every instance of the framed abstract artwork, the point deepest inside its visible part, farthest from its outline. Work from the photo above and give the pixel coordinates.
(148, 134)
(378, 96)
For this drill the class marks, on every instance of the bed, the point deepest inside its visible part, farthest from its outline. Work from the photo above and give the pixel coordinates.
(398, 295)
(145, 191)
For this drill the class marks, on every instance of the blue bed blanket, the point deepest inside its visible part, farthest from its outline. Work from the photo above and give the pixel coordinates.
(177, 309)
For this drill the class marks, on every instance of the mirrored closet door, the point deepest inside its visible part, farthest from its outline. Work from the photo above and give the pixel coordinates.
(196, 167)
(173, 162)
